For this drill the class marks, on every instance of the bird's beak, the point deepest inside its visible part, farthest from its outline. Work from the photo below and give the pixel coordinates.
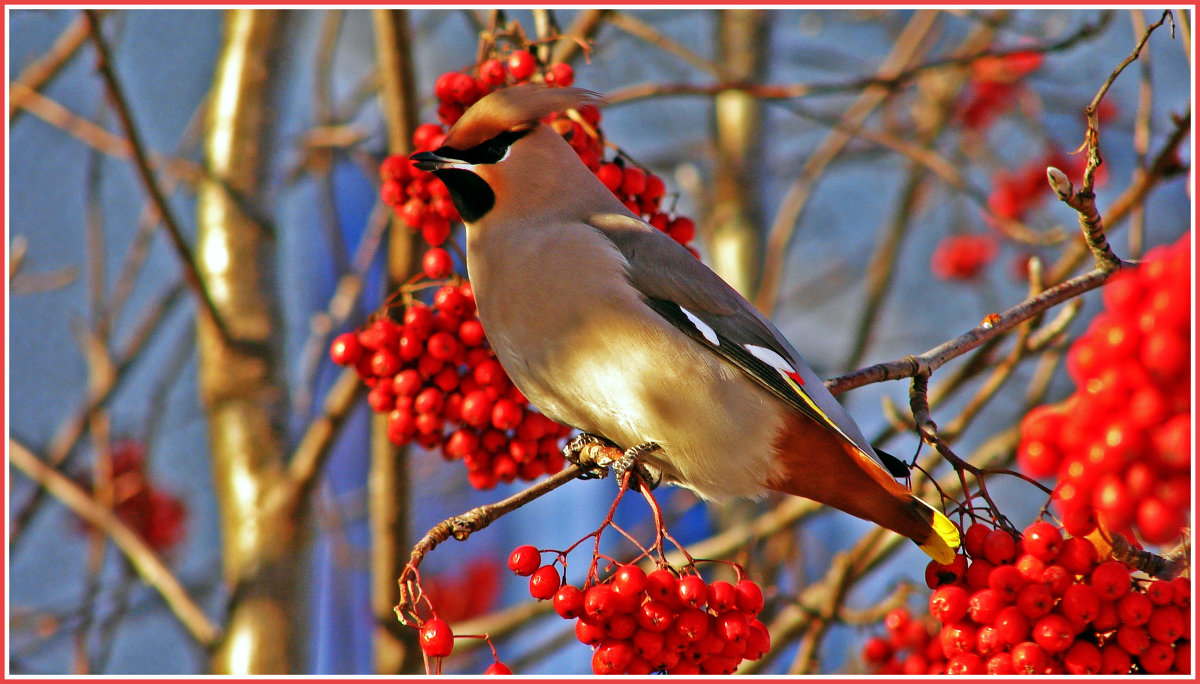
(432, 161)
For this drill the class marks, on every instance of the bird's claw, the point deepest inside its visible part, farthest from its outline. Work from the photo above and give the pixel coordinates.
(632, 459)
(574, 453)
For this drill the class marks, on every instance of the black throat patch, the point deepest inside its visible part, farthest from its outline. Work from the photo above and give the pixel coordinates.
(472, 196)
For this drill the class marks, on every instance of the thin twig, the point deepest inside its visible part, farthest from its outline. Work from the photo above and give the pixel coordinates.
(65, 438)
(147, 563)
(911, 43)
(42, 70)
(894, 81)
(141, 161)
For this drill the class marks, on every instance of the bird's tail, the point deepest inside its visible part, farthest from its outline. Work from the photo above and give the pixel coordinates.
(821, 465)
(943, 536)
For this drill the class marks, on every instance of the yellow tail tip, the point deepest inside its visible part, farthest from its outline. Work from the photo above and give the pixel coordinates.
(942, 541)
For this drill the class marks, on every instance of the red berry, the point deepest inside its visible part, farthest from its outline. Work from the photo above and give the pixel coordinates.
(435, 229)
(692, 624)
(1035, 600)
(682, 230)
(1160, 592)
(599, 603)
(722, 596)
(506, 415)
(957, 637)
(612, 657)
(1114, 659)
(1157, 659)
(1080, 603)
(1028, 658)
(876, 651)
(973, 539)
(1167, 624)
(1134, 608)
(732, 626)
(560, 74)
(633, 181)
(655, 616)
(1043, 540)
(477, 409)
(999, 547)
(437, 640)
(611, 175)
(1000, 664)
(937, 574)
(491, 72)
(749, 597)
(654, 187)
(1133, 638)
(629, 580)
(1077, 555)
(1110, 579)
(470, 333)
(521, 64)
(346, 350)
(1083, 657)
(497, 668)
(437, 263)
(524, 560)
(1012, 625)
(1053, 633)
(948, 604)
(544, 583)
(568, 601)
(442, 346)
(661, 585)
(693, 591)
(984, 605)
(965, 664)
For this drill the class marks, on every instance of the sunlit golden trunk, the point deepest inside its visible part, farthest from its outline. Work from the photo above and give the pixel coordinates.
(388, 484)
(239, 379)
(735, 243)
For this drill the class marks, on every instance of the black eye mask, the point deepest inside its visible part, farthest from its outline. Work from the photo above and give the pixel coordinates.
(486, 152)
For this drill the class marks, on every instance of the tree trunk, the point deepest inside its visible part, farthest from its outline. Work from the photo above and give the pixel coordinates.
(735, 243)
(240, 386)
(388, 482)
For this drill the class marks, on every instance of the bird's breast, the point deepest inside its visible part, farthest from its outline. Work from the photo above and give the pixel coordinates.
(586, 350)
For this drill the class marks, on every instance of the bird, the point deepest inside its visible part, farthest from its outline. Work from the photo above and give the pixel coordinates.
(611, 327)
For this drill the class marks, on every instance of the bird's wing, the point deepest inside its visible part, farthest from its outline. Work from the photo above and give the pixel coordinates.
(698, 302)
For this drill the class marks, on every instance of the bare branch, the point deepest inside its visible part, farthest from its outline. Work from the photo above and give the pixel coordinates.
(147, 563)
(141, 161)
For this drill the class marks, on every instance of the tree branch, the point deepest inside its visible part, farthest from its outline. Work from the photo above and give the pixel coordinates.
(142, 162)
(147, 563)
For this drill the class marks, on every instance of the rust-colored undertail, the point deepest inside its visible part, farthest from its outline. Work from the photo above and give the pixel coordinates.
(821, 465)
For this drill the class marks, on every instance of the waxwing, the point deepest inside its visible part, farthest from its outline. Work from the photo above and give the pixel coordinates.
(608, 325)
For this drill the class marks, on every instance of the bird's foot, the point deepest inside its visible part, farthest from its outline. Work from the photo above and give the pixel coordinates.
(575, 454)
(632, 459)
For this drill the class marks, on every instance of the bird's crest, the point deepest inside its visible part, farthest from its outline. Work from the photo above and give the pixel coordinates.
(513, 109)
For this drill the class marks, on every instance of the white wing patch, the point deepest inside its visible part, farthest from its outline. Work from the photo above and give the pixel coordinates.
(704, 328)
(775, 361)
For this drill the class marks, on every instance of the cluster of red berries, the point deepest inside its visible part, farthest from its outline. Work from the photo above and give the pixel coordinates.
(993, 87)
(1120, 446)
(642, 193)
(641, 623)
(456, 91)
(153, 514)
(1041, 604)
(962, 257)
(440, 385)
